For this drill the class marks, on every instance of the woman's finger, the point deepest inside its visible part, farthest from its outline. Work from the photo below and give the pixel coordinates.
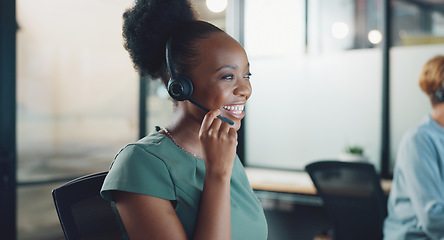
(225, 127)
(214, 130)
(208, 121)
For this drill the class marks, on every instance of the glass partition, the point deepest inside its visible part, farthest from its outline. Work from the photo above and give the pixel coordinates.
(311, 108)
(310, 105)
(77, 98)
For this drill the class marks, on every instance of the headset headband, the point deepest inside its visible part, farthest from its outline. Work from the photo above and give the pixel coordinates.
(168, 56)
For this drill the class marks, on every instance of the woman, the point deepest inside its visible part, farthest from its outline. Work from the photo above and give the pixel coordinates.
(416, 201)
(185, 181)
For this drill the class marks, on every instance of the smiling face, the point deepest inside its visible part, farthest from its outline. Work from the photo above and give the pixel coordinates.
(221, 80)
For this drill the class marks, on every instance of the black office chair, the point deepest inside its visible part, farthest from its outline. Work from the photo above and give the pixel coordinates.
(352, 196)
(83, 213)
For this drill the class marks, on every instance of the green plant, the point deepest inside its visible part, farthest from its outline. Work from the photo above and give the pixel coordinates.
(354, 150)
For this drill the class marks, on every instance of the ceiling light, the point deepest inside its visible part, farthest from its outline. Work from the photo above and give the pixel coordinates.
(217, 5)
(339, 30)
(375, 36)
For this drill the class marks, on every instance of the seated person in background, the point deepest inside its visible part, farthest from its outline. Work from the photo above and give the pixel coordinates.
(185, 181)
(416, 201)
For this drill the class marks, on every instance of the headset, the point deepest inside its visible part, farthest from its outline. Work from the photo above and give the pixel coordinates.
(439, 95)
(180, 86)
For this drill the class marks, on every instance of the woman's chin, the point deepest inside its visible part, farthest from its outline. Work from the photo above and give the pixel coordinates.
(237, 124)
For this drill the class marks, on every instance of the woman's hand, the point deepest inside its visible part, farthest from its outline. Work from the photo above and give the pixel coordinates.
(219, 143)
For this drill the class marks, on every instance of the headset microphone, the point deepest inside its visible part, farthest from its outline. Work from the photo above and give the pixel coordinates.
(180, 86)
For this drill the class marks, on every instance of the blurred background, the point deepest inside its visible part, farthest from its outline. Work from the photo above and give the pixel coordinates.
(327, 74)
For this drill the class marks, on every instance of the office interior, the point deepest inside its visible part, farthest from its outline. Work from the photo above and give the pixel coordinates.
(327, 75)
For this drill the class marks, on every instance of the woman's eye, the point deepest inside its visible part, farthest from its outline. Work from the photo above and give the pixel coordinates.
(247, 76)
(228, 77)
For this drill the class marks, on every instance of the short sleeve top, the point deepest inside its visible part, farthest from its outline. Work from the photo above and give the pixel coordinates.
(155, 166)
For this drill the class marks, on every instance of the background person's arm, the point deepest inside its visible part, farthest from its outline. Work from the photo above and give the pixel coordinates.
(419, 159)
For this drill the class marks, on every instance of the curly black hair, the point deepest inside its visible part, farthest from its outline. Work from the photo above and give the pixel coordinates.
(149, 24)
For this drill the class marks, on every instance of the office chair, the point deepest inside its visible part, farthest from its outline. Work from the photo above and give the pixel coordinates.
(83, 213)
(352, 196)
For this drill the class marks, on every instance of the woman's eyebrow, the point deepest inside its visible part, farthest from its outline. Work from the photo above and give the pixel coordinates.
(227, 66)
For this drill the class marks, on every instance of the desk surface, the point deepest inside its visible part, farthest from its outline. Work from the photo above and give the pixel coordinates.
(288, 181)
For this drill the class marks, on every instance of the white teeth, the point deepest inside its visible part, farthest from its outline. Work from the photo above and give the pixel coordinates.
(237, 108)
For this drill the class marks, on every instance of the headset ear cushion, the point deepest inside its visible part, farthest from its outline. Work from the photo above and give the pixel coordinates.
(180, 88)
(439, 95)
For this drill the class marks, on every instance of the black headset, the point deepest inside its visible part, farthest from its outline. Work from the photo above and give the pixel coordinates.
(180, 86)
(439, 95)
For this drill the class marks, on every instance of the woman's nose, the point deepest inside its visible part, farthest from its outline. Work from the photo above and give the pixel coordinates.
(243, 88)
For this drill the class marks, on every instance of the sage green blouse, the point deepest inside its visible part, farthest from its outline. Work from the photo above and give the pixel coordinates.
(155, 166)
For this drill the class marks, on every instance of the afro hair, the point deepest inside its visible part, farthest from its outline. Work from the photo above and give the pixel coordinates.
(147, 26)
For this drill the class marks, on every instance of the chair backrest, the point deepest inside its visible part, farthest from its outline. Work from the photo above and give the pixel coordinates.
(83, 213)
(352, 196)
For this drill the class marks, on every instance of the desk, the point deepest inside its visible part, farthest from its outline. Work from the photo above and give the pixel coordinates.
(291, 205)
(289, 181)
